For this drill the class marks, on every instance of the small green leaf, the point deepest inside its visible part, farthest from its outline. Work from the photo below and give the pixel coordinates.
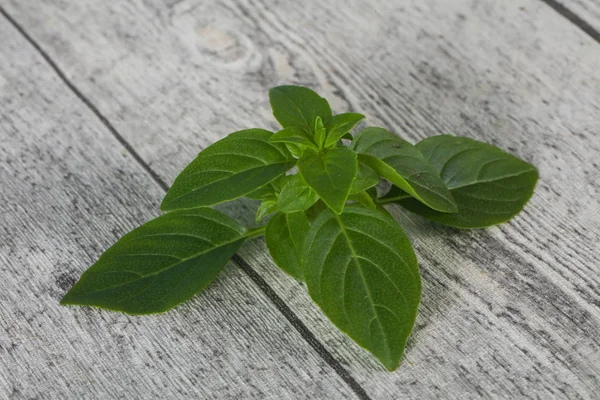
(320, 132)
(361, 270)
(280, 182)
(366, 178)
(285, 235)
(160, 264)
(298, 106)
(339, 125)
(295, 149)
(296, 195)
(228, 169)
(266, 207)
(330, 174)
(293, 134)
(363, 198)
(403, 165)
(262, 192)
(489, 185)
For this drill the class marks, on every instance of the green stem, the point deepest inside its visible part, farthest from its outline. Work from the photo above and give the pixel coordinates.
(394, 199)
(256, 232)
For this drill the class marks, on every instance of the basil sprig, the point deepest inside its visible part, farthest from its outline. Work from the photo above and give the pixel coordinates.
(328, 226)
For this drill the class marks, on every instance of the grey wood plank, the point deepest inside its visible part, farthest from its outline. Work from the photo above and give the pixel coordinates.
(507, 312)
(584, 13)
(68, 191)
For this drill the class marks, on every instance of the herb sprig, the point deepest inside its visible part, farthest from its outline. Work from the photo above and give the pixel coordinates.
(328, 226)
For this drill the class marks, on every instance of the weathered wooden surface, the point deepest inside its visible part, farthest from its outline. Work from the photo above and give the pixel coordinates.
(587, 11)
(508, 312)
(68, 191)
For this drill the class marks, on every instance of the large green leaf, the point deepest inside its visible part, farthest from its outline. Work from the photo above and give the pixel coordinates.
(316, 209)
(285, 235)
(296, 195)
(339, 125)
(160, 264)
(230, 168)
(298, 106)
(360, 269)
(489, 185)
(403, 165)
(330, 173)
(267, 206)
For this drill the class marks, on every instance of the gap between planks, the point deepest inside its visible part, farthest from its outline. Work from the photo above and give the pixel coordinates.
(573, 18)
(264, 287)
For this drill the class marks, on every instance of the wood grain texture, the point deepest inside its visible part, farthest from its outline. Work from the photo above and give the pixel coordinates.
(586, 10)
(69, 190)
(508, 312)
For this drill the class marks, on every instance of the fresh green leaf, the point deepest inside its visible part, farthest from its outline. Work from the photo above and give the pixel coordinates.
(366, 178)
(361, 270)
(330, 174)
(280, 182)
(295, 149)
(313, 212)
(364, 199)
(160, 264)
(403, 165)
(285, 235)
(339, 125)
(296, 195)
(266, 207)
(372, 192)
(394, 194)
(262, 192)
(298, 106)
(320, 133)
(489, 185)
(230, 168)
(293, 134)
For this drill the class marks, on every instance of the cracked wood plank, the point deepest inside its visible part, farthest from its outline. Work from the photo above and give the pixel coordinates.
(510, 311)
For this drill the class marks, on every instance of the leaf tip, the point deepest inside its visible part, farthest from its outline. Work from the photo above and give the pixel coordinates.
(391, 362)
(165, 204)
(336, 208)
(391, 367)
(452, 207)
(68, 299)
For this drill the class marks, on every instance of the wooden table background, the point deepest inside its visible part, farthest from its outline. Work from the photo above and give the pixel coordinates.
(102, 103)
